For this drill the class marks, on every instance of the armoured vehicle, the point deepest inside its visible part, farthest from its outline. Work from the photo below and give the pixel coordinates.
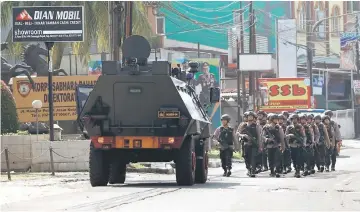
(138, 112)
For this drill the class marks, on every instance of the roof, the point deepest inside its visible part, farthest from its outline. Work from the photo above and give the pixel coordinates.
(302, 60)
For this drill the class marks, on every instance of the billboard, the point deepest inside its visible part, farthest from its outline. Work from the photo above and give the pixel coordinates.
(286, 53)
(64, 97)
(347, 50)
(279, 94)
(255, 62)
(208, 76)
(48, 24)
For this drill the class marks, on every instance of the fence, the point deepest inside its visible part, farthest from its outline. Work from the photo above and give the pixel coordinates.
(346, 119)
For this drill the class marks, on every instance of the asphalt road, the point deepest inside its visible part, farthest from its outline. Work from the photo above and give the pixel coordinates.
(333, 191)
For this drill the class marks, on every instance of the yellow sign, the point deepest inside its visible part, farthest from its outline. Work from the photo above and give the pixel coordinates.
(169, 114)
(64, 98)
(287, 90)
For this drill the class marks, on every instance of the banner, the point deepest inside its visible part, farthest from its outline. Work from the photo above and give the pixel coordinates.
(208, 76)
(63, 97)
(279, 94)
(347, 50)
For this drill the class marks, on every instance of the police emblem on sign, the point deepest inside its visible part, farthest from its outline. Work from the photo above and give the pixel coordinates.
(24, 88)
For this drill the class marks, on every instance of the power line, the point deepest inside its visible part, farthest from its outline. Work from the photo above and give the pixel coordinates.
(207, 10)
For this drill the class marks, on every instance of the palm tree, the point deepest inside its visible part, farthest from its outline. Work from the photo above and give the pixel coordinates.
(96, 27)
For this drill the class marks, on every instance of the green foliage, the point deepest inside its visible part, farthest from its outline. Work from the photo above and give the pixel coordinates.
(9, 118)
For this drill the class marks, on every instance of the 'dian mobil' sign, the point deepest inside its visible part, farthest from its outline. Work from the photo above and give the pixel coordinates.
(281, 94)
(48, 24)
(64, 98)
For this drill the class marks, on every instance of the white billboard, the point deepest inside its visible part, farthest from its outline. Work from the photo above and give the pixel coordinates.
(286, 50)
(255, 62)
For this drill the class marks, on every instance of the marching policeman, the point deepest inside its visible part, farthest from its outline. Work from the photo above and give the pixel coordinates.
(308, 152)
(241, 126)
(295, 134)
(322, 144)
(262, 161)
(225, 135)
(331, 150)
(250, 135)
(311, 122)
(286, 156)
(337, 136)
(286, 114)
(273, 137)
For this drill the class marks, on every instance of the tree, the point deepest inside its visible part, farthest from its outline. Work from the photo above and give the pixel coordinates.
(96, 27)
(9, 118)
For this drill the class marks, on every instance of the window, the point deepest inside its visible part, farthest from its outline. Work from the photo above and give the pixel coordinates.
(352, 6)
(320, 15)
(335, 21)
(301, 17)
(160, 25)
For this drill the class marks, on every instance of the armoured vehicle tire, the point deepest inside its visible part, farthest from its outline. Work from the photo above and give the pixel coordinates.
(98, 167)
(117, 172)
(202, 159)
(186, 163)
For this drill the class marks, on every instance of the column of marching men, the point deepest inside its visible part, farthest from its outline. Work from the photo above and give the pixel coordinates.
(281, 143)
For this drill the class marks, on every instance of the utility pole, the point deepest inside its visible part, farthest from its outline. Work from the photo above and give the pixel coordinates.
(309, 48)
(251, 50)
(357, 62)
(238, 81)
(128, 19)
(198, 48)
(116, 10)
(243, 81)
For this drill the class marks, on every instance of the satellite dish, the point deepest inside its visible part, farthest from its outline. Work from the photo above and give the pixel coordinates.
(136, 46)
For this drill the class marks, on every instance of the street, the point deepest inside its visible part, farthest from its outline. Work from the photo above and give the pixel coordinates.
(339, 190)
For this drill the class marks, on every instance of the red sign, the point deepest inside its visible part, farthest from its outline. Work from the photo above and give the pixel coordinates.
(279, 94)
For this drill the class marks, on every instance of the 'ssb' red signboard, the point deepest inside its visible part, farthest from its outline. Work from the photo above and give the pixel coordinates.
(289, 94)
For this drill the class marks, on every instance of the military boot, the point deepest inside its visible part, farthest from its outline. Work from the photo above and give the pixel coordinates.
(272, 173)
(284, 171)
(332, 168)
(252, 173)
(312, 171)
(297, 174)
(305, 173)
(322, 169)
(228, 173)
(327, 169)
(225, 173)
(289, 169)
(248, 173)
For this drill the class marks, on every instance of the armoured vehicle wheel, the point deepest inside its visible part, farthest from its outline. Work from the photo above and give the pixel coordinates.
(99, 167)
(117, 172)
(202, 160)
(186, 164)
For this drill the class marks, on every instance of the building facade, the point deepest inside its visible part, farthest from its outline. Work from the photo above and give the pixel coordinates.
(326, 40)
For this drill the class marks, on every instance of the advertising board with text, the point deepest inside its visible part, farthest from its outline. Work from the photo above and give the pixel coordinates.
(64, 97)
(279, 94)
(48, 24)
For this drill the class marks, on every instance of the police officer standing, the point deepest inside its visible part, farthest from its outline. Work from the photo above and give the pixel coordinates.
(308, 152)
(225, 135)
(286, 156)
(273, 137)
(337, 136)
(311, 122)
(286, 114)
(262, 160)
(322, 144)
(295, 134)
(249, 134)
(332, 150)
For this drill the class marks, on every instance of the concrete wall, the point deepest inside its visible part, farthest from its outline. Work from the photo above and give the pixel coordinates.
(26, 152)
(20, 153)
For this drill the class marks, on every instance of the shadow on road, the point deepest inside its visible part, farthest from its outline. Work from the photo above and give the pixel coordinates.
(157, 184)
(343, 156)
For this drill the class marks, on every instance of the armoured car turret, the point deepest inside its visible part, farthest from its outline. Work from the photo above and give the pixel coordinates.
(139, 113)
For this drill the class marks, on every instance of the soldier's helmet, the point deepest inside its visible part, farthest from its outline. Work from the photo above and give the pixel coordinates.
(310, 116)
(285, 113)
(261, 112)
(328, 112)
(294, 116)
(251, 113)
(246, 114)
(225, 117)
(317, 117)
(272, 116)
(282, 117)
(324, 117)
(303, 116)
